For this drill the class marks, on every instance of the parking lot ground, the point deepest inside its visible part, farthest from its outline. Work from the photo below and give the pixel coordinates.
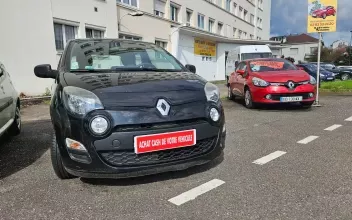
(292, 181)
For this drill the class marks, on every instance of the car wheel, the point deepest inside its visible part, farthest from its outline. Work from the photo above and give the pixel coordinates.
(248, 102)
(16, 126)
(307, 104)
(230, 95)
(56, 161)
(345, 77)
(324, 16)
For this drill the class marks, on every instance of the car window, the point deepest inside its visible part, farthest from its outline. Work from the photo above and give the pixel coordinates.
(240, 66)
(113, 55)
(271, 65)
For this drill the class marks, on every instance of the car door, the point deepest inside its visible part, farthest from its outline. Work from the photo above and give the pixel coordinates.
(3, 103)
(242, 79)
(235, 79)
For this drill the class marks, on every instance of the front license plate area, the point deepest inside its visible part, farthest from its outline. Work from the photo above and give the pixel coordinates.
(291, 99)
(164, 141)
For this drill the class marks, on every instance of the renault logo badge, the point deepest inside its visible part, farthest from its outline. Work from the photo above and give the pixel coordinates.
(163, 107)
(290, 85)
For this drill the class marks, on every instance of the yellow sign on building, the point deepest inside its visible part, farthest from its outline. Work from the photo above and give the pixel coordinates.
(204, 47)
(322, 16)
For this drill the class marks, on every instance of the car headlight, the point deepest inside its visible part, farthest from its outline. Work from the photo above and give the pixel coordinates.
(80, 101)
(212, 92)
(99, 125)
(259, 82)
(312, 80)
(214, 114)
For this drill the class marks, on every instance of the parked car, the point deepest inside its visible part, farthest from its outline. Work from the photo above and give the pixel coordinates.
(10, 115)
(340, 73)
(312, 70)
(324, 12)
(127, 108)
(271, 81)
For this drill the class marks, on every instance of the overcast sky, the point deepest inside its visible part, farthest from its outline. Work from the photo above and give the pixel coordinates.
(290, 17)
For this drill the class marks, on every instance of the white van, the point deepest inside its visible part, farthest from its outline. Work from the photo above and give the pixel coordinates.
(244, 53)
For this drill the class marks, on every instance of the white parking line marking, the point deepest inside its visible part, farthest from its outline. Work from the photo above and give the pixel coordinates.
(307, 139)
(268, 158)
(195, 192)
(348, 119)
(333, 127)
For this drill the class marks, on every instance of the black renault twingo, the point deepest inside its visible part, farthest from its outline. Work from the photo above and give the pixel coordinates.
(128, 108)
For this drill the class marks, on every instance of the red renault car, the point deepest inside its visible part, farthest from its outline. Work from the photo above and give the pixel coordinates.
(324, 12)
(269, 81)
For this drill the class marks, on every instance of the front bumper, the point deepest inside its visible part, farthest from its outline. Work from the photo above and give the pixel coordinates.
(259, 94)
(110, 161)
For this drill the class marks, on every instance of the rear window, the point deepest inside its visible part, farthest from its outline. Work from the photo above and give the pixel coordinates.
(271, 65)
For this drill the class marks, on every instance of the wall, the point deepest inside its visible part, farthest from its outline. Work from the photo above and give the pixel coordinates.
(303, 49)
(29, 41)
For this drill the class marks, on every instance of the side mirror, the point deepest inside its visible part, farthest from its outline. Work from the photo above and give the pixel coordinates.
(191, 68)
(236, 64)
(240, 72)
(45, 71)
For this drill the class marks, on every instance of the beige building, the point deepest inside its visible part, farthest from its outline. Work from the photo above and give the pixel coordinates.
(178, 25)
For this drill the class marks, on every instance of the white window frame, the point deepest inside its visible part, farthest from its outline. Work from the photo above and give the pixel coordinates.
(63, 26)
(177, 10)
(245, 14)
(240, 10)
(189, 12)
(159, 13)
(234, 31)
(251, 20)
(93, 30)
(161, 43)
(134, 37)
(211, 24)
(129, 3)
(221, 32)
(228, 5)
(198, 21)
(235, 11)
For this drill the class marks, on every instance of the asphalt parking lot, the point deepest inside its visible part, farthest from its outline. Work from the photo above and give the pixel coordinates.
(279, 163)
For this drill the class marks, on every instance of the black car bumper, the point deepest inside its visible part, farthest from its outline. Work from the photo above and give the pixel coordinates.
(107, 161)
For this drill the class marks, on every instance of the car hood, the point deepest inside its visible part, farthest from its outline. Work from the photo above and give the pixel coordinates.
(140, 89)
(318, 11)
(326, 73)
(282, 77)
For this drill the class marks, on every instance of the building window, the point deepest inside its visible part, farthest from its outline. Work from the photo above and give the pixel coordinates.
(244, 35)
(63, 33)
(313, 50)
(228, 5)
(159, 8)
(200, 21)
(189, 17)
(252, 19)
(260, 4)
(129, 2)
(235, 9)
(259, 38)
(91, 33)
(259, 22)
(234, 33)
(220, 29)
(245, 15)
(239, 34)
(211, 25)
(129, 37)
(173, 13)
(293, 51)
(240, 12)
(251, 36)
(162, 44)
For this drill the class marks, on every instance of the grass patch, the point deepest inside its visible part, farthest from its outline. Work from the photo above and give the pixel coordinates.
(337, 86)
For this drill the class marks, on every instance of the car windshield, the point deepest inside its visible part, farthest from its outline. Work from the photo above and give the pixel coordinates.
(328, 66)
(114, 55)
(271, 65)
(248, 56)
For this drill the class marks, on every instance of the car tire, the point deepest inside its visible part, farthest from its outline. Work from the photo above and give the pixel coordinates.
(345, 77)
(230, 95)
(307, 104)
(16, 126)
(56, 161)
(248, 101)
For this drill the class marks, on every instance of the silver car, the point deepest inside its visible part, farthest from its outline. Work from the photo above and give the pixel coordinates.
(10, 115)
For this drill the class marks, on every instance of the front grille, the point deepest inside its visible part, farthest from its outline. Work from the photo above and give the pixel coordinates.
(155, 126)
(277, 97)
(124, 158)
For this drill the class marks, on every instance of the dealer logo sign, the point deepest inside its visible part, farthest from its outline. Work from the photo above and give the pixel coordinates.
(163, 107)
